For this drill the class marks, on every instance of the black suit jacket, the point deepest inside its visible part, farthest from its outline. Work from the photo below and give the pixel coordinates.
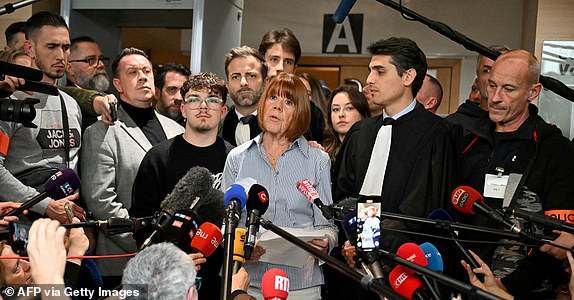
(230, 124)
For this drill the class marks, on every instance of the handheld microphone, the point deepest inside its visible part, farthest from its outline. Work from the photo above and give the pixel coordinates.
(434, 259)
(406, 285)
(60, 185)
(544, 220)
(413, 253)
(238, 251)
(343, 10)
(275, 285)
(234, 199)
(206, 239)
(306, 188)
(466, 199)
(257, 204)
(193, 186)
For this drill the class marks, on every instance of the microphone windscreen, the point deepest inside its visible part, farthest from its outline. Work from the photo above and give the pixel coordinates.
(258, 198)
(210, 208)
(275, 284)
(196, 183)
(237, 192)
(439, 214)
(181, 229)
(463, 198)
(433, 256)
(413, 253)
(404, 284)
(62, 184)
(207, 239)
(306, 188)
(238, 243)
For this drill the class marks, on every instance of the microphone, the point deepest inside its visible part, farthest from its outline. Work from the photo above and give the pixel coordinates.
(115, 225)
(434, 259)
(343, 10)
(544, 220)
(275, 285)
(413, 253)
(60, 185)
(238, 251)
(306, 188)
(234, 199)
(20, 71)
(176, 218)
(257, 204)
(206, 239)
(466, 199)
(406, 285)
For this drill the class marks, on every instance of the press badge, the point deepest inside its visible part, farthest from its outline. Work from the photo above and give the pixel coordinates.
(495, 185)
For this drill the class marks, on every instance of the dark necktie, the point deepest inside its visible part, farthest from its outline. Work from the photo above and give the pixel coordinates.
(388, 121)
(246, 119)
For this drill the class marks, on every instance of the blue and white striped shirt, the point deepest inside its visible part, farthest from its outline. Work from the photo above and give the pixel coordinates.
(287, 207)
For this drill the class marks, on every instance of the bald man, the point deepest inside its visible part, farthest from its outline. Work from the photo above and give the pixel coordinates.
(515, 146)
(430, 94)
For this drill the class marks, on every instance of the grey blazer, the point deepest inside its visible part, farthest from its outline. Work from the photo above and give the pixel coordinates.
(109, 162)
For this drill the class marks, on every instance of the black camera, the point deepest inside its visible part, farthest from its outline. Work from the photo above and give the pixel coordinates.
(19, 111)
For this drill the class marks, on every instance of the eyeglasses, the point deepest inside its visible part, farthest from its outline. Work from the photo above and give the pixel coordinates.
(211, 102)
(198, 282)
(92, 60)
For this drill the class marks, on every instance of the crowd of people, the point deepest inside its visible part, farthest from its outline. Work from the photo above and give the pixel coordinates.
(263, 123)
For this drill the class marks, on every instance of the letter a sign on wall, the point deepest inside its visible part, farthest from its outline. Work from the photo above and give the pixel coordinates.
(345, 38)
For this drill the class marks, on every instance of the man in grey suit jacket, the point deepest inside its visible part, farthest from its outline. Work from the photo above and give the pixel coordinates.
(111, 155)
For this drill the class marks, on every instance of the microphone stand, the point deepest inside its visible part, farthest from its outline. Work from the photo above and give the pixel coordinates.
(366, 281)
(10, 8)
(548, 82)
(459, 285)
(229, 223)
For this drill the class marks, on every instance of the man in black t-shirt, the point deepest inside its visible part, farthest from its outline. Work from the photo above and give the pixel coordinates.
(166, 163)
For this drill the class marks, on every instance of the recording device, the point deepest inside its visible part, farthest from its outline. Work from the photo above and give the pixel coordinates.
(368, 225)
(406, 285)
(413, 253)
(275, 285)
(257, 204)
(306, 188)
(206, 239)
(434, 259)
(19, 237)
(114, 110)
(234, 199)
(19, 111)
(238, 249)
(60, 185)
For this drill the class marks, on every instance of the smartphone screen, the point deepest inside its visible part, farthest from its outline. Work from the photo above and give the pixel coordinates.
(368, 225)
(19, 237)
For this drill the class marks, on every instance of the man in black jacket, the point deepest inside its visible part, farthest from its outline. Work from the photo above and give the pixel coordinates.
(517, 160)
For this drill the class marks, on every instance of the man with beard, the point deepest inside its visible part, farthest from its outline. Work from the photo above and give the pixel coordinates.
(111, 155)
(246, 70)
(169, 79)
(87, 65)
(29, 156)
(166, 163)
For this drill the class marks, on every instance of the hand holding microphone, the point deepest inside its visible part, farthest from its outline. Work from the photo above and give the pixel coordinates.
(204, 243)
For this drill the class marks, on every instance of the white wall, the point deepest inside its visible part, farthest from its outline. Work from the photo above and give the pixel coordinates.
(486, 21)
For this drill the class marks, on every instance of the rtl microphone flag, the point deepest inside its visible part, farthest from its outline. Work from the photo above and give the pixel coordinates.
(275, 285)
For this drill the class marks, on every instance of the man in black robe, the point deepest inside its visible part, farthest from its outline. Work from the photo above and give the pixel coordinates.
(404, 158)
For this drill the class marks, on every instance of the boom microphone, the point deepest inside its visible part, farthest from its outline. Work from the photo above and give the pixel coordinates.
(257, 204)
(466, 199)
(238, 251)
(19, 71)
(60, 185)
(306, 188)
(343, 10)
(115, 225)
(544, 220)
(275, 285)
(206, 239)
